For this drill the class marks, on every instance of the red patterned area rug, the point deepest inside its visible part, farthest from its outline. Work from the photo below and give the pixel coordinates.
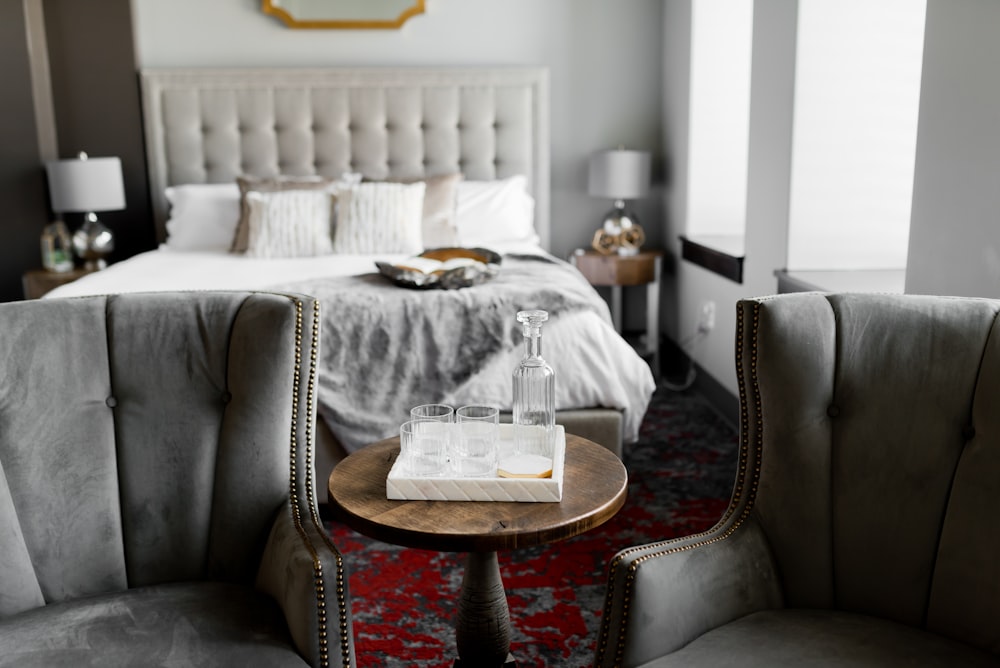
(680, 478)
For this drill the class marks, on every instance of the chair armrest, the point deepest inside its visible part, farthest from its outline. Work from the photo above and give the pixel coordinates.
(303, 571)
(663, 595)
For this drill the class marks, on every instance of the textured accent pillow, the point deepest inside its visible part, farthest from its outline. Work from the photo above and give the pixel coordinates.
(440, 198)
(202, 216)
(249, 184)
(379, 218)
(490, 212)
(289, 223)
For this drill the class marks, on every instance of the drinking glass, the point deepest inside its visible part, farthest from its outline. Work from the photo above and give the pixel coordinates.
(423, 447)
(478, 438)
(439, 412)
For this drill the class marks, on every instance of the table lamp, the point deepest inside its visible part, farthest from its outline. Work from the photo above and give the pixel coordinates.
(86, 185)
(619, 175)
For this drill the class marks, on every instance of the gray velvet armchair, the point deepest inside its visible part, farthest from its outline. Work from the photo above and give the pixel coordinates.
(864, 528)
(157, 501)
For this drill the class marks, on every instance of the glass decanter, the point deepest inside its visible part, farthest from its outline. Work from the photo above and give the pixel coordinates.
(534, 392)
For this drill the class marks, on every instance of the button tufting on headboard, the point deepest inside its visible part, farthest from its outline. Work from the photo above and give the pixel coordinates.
(355, 118)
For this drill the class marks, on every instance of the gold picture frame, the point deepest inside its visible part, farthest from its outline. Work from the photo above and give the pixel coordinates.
(344, 14)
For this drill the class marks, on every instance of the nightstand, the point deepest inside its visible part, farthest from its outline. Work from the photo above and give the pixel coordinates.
(37, 282)
(618, 271)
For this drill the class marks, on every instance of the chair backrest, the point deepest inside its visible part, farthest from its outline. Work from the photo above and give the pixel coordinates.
(143, 439)
(876, 421)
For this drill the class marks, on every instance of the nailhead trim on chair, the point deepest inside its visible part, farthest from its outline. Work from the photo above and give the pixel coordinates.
(733, 505)
(341, 584)
(323, 648)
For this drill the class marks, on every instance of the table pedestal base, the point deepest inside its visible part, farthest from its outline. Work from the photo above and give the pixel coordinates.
(482, 625)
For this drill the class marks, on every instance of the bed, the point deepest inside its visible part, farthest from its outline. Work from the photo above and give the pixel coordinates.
(376, 136)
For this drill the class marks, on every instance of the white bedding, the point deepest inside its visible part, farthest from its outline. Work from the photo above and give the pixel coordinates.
(168, 269)
(594, 365)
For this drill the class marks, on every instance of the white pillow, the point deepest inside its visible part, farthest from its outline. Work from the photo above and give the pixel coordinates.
(490, 212)
(440, 198)
(289, 223)
(270, 184)
(379, 217)
(203, 216)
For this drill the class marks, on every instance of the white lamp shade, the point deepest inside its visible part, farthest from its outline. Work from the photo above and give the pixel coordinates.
(619, 174)
(86, 184)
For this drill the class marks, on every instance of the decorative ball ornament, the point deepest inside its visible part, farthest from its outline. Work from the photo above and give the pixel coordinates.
(631, 238)
(605, 242)
(619, 234)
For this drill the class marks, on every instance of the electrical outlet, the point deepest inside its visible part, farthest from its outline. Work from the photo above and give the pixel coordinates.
(707, 321)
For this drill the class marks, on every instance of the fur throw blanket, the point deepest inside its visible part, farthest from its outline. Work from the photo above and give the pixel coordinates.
(385, 349)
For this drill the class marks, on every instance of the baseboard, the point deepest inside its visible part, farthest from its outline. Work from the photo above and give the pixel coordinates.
(675, 365)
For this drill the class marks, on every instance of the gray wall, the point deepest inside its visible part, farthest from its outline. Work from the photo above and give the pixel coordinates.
(97, 105)
(676, 100)
(604, 59)
(955, 225)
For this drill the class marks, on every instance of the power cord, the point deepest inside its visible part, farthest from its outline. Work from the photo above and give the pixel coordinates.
(692, 371)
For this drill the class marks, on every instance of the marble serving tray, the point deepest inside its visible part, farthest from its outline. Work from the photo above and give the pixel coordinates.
(401, 487)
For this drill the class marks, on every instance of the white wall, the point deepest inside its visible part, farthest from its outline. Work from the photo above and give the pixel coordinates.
(955, 226)
(769, 168)
(604, 60)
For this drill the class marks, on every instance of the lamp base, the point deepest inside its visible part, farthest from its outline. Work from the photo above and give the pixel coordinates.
(619, 233)
(92, 242)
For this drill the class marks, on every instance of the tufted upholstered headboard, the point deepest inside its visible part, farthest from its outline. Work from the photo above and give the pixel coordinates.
(212, 125)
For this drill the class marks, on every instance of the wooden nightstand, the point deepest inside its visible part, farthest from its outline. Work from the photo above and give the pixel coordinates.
(618, 271)
(39, 281)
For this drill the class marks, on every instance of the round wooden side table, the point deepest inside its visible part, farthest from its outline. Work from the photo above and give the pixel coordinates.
(594, 489)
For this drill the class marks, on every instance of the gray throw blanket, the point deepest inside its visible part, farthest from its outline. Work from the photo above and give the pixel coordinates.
(386, 348)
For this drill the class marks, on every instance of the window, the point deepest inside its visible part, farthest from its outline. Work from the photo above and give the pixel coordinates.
(721, 33)
(857, 91)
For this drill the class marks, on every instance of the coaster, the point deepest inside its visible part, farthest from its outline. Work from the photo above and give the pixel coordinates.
(525, 466)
